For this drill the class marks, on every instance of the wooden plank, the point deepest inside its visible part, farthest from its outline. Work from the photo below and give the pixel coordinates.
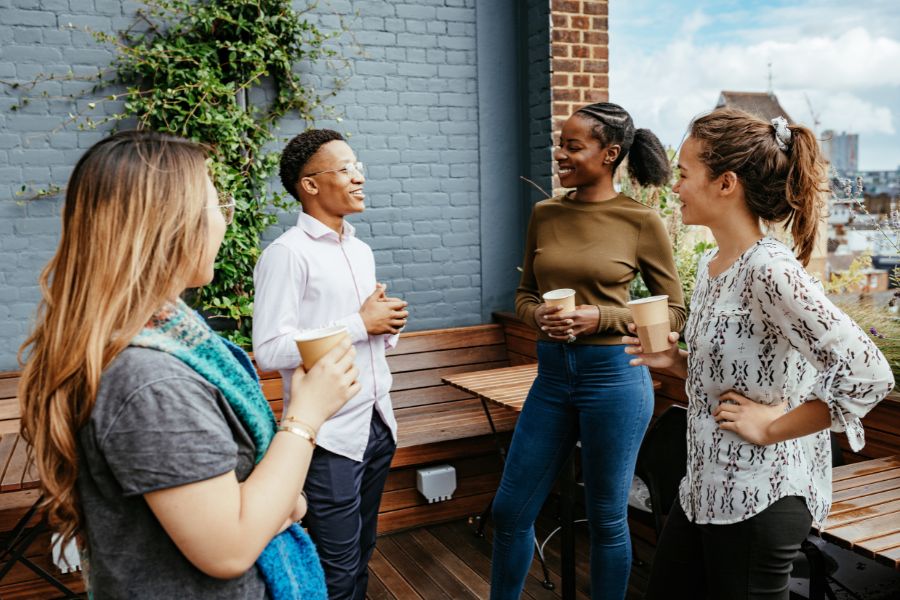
(446, 339)
(10, 427)
(860, 469)
(864, 490)
(853, 533)
(475, 584)
(865, 479)
(433, 377)
(419, 579)
(443, 451)
(521, 346)
(863, 513)
(470, 466)
(15, 470)
(465, 486)
(883, 549)
(890, 557)
(426, 396)
(431, 564)
(388, 575)
(7, 445)
(9, 408)
(447, 358)
(375, 590)
(273, 389)
(454, 426)
(868, 501)
(476, 552)
(9, 387)
(418, 516)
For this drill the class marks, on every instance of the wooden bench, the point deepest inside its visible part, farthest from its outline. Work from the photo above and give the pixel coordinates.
(436, 423)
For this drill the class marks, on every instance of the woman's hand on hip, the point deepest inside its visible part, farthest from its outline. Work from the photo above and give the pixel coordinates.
(751, 420)
(326, 388)
(667, 359)
(561, 325)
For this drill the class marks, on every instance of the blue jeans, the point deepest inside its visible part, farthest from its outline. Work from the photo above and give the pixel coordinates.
(587, 389)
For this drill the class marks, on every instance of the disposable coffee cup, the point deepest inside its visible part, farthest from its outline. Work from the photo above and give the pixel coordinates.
(315, 343)
(562, 297)
(651, 318)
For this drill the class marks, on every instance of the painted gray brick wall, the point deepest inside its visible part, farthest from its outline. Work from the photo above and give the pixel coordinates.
(409, 102)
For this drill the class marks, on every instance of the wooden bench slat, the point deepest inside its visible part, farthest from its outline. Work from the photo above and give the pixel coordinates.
(865, 490)
(863, 503)
(15, 470)
(447, 339)
(859, 469)
(856, 532)
(7, 445)
(434, 377)
(865, 479)
(426, 396)
(446, 358)
(8, 387)
(9, 409)
(862, 513)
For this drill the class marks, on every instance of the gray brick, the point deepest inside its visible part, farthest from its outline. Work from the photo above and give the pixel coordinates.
(27, 36)
(14, 16)
(37, 225)
(415, 11)
(29, 54)
(416, 40)
(367, 67)
(53, 5)
(456, 14)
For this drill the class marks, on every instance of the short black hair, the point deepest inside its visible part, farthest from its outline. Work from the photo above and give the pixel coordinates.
(298, 152)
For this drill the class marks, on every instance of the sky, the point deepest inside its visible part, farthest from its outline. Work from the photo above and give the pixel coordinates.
(834, 59)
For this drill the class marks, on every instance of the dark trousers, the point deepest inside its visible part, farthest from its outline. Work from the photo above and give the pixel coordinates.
(344, 496)
(749, 560)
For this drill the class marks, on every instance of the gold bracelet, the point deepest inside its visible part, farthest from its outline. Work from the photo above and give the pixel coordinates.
(293, 419)
(303, 432)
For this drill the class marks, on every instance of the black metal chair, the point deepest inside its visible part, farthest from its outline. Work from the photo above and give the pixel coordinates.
(662, 461)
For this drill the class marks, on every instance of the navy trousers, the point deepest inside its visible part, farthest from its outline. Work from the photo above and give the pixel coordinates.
(344, 496)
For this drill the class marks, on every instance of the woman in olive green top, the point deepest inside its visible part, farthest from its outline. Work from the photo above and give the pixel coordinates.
(595, 241)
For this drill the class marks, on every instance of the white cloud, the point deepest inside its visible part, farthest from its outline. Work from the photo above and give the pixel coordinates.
(842, 73)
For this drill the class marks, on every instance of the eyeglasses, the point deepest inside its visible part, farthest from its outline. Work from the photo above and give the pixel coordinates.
(227, 206)
(353, 169)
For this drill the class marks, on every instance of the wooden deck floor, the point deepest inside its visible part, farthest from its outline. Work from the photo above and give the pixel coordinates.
(442, 562)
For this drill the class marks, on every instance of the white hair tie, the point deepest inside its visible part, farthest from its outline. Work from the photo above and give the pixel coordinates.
(782, 133)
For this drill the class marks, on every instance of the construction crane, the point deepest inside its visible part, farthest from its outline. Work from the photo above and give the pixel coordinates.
(813, 114)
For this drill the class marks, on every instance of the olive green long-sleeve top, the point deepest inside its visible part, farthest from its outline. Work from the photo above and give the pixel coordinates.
(597, 249)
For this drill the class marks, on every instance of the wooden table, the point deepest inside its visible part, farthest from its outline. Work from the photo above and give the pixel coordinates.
(865, 510)
(508, 387)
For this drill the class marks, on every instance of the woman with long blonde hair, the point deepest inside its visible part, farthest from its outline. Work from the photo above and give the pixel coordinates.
(151, 435)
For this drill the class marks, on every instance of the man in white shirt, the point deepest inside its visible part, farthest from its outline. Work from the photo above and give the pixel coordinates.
(314, 275)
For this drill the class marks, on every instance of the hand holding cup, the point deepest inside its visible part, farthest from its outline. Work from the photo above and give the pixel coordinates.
(665, 359)
(325, 388)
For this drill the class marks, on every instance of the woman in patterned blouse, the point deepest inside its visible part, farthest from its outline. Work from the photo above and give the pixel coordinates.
(771, 364)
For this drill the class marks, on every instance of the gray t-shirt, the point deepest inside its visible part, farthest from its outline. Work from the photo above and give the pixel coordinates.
(156, 424)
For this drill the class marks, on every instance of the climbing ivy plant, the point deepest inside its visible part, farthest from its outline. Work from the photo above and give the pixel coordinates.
(222, 72)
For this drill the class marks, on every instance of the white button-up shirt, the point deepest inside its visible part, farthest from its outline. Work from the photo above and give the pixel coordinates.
(311, 277)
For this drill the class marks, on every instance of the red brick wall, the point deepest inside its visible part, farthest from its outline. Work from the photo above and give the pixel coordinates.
(580, 51)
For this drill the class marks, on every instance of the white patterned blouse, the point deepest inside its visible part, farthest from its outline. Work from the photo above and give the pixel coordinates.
(765, 329)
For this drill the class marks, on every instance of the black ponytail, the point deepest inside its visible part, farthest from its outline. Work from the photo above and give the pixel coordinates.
(648, 162)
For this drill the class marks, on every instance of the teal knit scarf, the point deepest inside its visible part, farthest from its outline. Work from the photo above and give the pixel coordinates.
(289, 564)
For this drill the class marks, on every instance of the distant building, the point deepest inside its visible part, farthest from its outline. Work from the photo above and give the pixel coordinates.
(881, 182)
(762, 104)
(842, 151)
